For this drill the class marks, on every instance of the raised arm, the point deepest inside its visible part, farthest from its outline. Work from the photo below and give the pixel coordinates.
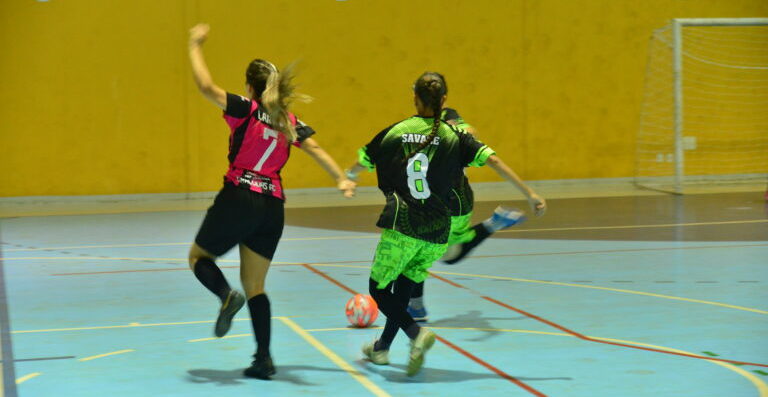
(197, 36)
(313, 149)
(538, 205)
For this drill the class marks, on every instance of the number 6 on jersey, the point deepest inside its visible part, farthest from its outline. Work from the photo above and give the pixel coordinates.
(418, 165)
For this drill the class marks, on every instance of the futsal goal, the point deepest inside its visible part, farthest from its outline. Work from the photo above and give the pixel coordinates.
(704, 117)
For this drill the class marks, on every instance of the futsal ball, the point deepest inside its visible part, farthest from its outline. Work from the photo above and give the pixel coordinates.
(362, 310)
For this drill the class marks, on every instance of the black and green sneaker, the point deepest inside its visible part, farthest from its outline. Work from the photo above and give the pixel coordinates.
(235, 300)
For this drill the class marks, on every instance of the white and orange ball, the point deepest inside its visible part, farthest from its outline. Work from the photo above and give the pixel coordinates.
(362, 310)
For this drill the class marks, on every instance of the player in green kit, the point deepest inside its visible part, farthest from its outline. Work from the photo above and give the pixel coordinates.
(464, 237)
(417, 162)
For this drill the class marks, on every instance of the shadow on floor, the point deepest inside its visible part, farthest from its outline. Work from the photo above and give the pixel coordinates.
(396, 373)
(473, 319)
(285, 373)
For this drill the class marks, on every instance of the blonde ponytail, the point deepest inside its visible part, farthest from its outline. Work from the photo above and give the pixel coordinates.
(278, 96)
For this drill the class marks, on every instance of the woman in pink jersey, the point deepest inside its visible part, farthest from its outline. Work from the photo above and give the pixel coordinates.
(248, 211)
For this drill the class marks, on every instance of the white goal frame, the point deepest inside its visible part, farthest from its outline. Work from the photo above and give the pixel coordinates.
(677, 26)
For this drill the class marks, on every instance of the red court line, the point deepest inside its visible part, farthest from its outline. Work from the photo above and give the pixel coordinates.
(446, 342)
(589, 339)
(329, 278)
(491, 367)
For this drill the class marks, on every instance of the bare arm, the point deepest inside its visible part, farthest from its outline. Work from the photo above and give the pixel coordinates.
(197, 36)
(538, 205)
(313, 149)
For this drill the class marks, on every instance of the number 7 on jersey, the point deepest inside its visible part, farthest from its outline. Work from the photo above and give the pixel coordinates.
(268, 133)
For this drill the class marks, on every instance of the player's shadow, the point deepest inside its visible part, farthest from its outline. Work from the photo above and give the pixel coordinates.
(473, 319)
(396, 373)
(285, 373)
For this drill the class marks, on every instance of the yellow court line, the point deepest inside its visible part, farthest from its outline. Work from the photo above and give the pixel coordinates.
(761, 386)
(757, 382)
(111, 258)
(372, 387)
(131, 325)
(626, 291)
(27, 377)
(340, 329)
(556, 229)
(215, 338)
(106, 354)
(74, 247)
(522, 331)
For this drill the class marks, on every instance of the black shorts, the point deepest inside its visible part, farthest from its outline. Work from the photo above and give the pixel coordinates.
(242, 216)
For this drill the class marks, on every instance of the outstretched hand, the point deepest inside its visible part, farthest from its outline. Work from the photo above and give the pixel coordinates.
(347, 188)
(538, 205)
(199, 33)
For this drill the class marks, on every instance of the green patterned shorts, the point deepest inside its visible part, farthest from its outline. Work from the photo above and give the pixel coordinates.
(461, 230)
(399, 254)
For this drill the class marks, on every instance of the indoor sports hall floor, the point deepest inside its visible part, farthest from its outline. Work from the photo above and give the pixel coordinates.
(651, 295)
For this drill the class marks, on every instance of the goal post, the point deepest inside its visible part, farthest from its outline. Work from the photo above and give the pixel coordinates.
(704, 117)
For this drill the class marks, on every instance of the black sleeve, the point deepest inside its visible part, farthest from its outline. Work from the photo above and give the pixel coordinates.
(373, 148)
(473, 152)
(303, 131)
(237, 106)
(450, 114)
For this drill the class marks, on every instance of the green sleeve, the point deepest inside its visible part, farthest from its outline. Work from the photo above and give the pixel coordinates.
(364, 159)
(482, 156)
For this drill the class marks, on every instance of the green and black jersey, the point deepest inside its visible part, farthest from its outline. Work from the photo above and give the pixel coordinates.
(418, 190)
(462, 197)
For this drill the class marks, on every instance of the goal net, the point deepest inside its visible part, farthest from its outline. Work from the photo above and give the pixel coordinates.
(704, 118)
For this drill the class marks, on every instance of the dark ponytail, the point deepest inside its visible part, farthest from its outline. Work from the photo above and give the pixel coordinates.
(430, 88)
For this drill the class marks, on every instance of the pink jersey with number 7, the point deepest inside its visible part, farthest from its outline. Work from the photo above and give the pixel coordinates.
(257, 152)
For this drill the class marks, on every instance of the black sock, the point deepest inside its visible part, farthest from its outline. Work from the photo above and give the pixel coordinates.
(261, 319)
(212, 278)
(413, 330)
(394, 307)
(481, 232)
(418, 290)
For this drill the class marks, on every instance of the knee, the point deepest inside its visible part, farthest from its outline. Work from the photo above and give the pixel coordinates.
(195, 257)
(253, 290)
(196, 253)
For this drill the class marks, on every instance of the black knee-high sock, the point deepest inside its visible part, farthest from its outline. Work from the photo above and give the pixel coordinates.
(261, 319)
(394, 307)
(212, 278)
(418, 290)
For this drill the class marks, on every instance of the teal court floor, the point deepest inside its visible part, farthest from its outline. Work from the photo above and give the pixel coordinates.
(614, 296)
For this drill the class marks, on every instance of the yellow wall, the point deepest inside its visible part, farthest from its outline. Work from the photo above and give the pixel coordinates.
(97, 96)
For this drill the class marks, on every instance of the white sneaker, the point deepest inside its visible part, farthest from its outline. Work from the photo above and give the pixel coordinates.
(504, 217)
(419, 348)
(380, 357)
